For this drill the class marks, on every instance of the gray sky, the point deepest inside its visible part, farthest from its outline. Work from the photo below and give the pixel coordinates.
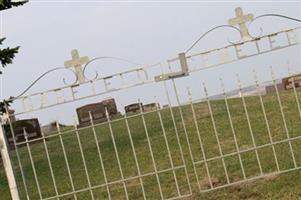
(144, 32)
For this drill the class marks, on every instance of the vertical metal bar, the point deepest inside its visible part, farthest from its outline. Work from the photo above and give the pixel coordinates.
(116, 153)
(295, 91)
(215, 133)
(232, 128)
(177, 136)
(185, 132)
(32, 164)
(184, 68)
(249, 123)
(151, 152)
(122, 79)
(168, 150)
(138, 75)
(257, 46)
(199, 138)
(49, 163)
(66, 159)
(100, 156)
(266, 120)
(135, 156)
(93, 87)
(17, 151)
(283, 116)
(7, 163)
(83, 159)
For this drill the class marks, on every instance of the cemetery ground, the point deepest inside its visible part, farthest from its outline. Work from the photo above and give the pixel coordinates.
(281, 186)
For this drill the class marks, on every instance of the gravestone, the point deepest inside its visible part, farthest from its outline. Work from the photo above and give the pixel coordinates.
(151, 107)
(110, 105)
(97, 111)
(133, 108)
(289, 82)
(271, 88)
(51, 128)
(31, 126)
(285, 84)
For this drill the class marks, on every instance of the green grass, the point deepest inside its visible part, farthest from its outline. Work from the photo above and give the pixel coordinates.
(283, 186)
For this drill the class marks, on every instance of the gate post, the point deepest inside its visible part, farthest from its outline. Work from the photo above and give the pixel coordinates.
(8, 168)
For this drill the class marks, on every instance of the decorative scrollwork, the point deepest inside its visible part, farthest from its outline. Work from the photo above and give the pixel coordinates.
(268, 15)
(209, 31)
(101, 58)
(44, 74)
(131, 62)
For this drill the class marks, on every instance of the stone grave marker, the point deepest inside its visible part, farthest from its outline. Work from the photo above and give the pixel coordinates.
(97, 111)
(133, 108)
(151, 107)
(31, 126)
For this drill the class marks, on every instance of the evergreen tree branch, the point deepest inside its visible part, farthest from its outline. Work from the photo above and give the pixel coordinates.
(6, 4)
(7, 54)
(3, 105)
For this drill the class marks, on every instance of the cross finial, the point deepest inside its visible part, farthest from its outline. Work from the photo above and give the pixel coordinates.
(77, 63)
(241, 20)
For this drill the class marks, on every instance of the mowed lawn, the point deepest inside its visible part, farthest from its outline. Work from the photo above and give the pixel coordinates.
(158, 149)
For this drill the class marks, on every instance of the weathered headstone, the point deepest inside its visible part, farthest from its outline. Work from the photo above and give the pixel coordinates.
(133, 108)
(291, 82)
(151, 107)
(51, 128)
(285, 84)
(30, 126)
(110, 105)
(97, 111)
(271, 88)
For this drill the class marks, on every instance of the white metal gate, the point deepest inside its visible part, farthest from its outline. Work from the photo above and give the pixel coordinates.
(206, 136)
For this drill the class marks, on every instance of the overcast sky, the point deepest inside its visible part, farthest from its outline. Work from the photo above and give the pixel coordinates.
(145, 32)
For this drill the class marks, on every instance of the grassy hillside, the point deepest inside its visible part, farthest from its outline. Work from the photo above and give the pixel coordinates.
(159, 125)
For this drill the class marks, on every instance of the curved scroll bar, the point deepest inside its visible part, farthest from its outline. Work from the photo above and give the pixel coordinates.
(217, 27)
(105, 57)
(269, 15)
(44, 74)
